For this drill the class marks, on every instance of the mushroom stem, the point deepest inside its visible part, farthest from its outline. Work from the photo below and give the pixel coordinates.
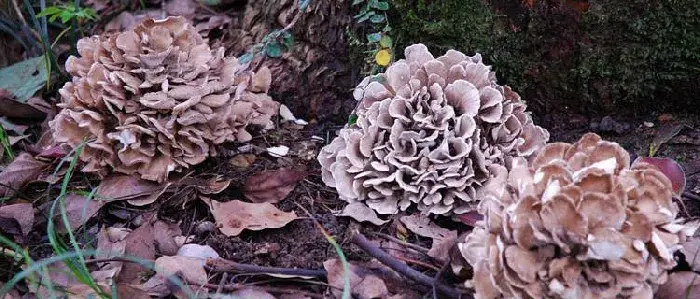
(398, 266)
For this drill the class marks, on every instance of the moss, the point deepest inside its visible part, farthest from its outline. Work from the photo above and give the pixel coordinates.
(618, 54)
(469, 26)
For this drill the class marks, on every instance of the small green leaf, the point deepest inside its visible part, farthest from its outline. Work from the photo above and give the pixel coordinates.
(356, 2)
(386, 41)
(387, 28)
(352, 119)
(382, 5)
(303, 4)
(247, 57)
(273, 50)
(374, 37)
(373, 3)
(377, 19)
(288, 41)
(51, 10)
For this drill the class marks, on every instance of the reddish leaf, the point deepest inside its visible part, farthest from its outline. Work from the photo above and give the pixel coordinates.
(54, 152)
(22, 212)
(139, 243)
(123, 187)
(272, 186)
(21, 171)
(670, 168)
(470, 218)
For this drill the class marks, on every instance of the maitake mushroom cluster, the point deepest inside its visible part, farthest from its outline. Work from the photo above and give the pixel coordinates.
(579, 222)
(157, 99)
(430, 133)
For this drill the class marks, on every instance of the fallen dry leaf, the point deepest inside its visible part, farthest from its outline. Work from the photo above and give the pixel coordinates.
(189, 269)
(691, 250)
(110, 243)
(232, 217)
(23, 169)
(242, 161)
(126, 187)
(79, 209)
(680, 285)
(14, 109)
(361, 212)
(273, 185)
(470, 218)
(165, 234)
(363, 283)
(213, 186)
(22, 212)
(141, 244)
(443, 239)
(197, 251)
(250, 293)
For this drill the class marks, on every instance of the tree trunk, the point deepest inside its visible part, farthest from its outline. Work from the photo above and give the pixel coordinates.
(313, 79)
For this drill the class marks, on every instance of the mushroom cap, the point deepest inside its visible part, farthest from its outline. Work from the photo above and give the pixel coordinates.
(431, 133)
(578, 222)
(157, 99)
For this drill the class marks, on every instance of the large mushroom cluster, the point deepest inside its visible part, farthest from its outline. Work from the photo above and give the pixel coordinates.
(430, 133)
(157, 99)
(578, 222)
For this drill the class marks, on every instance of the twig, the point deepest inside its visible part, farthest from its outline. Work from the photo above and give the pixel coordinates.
(691, 195)
(224, 265)
(417, 262)
(362, 242)
(276, 290)
(437, 277)
(397, 240)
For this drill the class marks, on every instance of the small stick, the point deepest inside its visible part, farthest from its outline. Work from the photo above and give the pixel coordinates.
(417, 262)
(386, 259)
(691, 195)
(223, 265)
(437, 277)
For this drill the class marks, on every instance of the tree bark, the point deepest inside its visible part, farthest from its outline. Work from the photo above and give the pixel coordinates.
(313, 79)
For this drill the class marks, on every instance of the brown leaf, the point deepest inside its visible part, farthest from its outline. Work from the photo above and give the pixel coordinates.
(164, 234)
(22, 212)
(680, 285)
(110, 243)
(213, 186)
(139, 243)
(21, 171)
(242, 161)
(251, 293)
(190, 269)
(79, 209)
(20, 111)
(232, 217)
(363, 283)
(361, 212)
(443, 239)
(124, 187)
(272, 186)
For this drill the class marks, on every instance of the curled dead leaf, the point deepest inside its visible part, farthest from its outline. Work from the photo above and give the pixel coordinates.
(126, 187)
(23, 213)
(273, 185)
(363, 283)
(232, 217)
(242, 161)
(443, 239)
(23, 169)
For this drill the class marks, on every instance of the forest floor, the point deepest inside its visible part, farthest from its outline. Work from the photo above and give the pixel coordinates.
(272, 245)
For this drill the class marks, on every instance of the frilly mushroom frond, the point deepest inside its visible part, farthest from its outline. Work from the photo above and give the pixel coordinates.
(431, 132)
(157, 99)
(578, 222)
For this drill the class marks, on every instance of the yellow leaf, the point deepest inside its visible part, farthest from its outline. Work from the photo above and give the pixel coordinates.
(383, 57)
